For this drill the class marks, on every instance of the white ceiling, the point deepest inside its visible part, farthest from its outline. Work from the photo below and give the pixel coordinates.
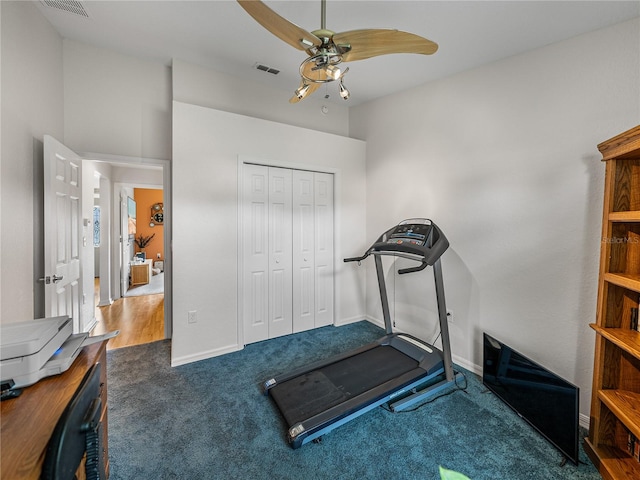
(221, 35)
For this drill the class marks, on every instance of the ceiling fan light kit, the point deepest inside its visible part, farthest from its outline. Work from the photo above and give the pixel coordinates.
(302, 91)
(327, 49)
(344, 93)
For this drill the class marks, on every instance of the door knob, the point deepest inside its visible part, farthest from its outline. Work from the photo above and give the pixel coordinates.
(47, 280)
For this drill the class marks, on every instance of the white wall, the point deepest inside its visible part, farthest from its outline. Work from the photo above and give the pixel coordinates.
(32, 105)
(116, 104)
(206, 146)
(208, 88)
(1, 115)
(503, 158)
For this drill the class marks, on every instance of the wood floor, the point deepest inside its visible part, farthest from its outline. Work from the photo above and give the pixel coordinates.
(139, 319)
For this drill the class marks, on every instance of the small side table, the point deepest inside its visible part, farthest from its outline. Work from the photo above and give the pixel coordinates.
(140, 273)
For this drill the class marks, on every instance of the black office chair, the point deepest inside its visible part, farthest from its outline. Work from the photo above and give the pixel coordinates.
(77, 432)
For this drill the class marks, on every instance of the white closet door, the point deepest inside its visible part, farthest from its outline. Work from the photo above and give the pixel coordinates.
(323, 227)
(280, 261)
(303, 251)
(255, 292)
(287, 283)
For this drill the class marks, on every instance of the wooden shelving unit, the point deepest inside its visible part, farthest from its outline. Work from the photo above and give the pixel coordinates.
(615, 401)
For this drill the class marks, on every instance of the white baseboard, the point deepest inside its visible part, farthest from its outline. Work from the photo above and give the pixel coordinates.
(176, 362)
(463, 362)
(377, 322)
(584, 420)
(347, 321)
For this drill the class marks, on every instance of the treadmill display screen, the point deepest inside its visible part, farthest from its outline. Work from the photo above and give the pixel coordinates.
(414, 234)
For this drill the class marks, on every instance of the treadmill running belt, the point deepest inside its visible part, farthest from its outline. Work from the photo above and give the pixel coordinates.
(312, 393)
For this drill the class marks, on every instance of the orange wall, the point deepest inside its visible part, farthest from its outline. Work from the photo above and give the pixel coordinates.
(145, 197)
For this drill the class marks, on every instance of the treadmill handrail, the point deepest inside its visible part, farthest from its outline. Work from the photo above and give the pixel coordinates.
(420, 267)
(357, 259)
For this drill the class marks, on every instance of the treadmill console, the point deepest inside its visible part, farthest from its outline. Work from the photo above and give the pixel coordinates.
(409, 233)
(416, 238)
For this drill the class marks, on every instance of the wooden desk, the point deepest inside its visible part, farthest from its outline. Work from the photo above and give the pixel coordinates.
(27, 422)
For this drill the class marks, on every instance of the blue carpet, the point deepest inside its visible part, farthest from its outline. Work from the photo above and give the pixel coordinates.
(209, 420)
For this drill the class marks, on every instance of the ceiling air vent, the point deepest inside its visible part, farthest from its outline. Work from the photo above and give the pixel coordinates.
(264, 68)
(70, 6)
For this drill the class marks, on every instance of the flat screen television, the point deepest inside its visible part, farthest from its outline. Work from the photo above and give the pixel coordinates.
(546, 401)
(131, 216)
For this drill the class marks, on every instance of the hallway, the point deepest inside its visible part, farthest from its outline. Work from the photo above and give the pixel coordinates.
(139, 319)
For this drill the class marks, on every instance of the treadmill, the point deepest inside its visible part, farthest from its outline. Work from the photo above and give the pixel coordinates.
(397, 369)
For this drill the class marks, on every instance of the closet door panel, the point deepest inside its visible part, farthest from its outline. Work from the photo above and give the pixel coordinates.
(323, 228)
(280, 260)
(255, 253)
(303, 251)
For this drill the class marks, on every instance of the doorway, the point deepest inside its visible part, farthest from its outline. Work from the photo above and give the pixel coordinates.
(144, 318)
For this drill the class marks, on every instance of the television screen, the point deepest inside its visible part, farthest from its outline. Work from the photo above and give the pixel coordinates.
(131, 216)
(546, 401)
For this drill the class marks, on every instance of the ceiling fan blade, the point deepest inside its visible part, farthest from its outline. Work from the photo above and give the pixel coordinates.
(312, 88)
(279, 26)
(369, 43)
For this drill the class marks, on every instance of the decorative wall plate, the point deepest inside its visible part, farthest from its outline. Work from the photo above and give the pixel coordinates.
(157, 213)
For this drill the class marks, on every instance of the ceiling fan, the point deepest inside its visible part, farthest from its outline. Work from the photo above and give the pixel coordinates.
(327, 49)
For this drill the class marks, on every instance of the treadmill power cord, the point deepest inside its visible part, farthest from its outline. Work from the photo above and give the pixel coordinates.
(386, 408)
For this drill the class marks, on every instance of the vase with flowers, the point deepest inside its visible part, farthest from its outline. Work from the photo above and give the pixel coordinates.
(142, 241)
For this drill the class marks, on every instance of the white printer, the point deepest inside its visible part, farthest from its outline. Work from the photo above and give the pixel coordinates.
(35, 349)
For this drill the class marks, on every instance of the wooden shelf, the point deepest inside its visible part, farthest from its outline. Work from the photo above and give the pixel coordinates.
(630, 281)
(625, 338)
(612, 462)
(633, 216)
(624, 405)
(615, 398)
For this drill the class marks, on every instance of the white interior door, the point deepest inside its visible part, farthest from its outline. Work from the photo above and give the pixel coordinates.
(280, 261)
(303, 251)
(62, 230)
(323, 244)
(255, 283)
(287, 249)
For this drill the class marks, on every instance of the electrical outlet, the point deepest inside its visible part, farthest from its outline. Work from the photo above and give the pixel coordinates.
(450, 315)
(193, 317)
